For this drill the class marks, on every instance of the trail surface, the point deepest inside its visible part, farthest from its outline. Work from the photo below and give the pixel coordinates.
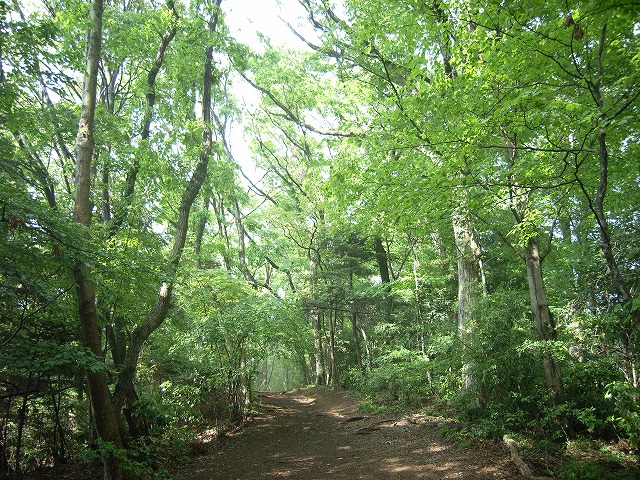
(312, 434)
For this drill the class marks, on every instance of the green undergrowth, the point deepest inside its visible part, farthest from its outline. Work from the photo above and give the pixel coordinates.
(587, 459)
(549, 452)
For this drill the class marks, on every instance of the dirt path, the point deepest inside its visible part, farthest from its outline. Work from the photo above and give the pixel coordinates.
(314, 434)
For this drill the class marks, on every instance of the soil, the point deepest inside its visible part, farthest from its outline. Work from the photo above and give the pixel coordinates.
(313, 434)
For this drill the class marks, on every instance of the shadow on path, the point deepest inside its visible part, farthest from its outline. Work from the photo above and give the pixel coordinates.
(313, 434)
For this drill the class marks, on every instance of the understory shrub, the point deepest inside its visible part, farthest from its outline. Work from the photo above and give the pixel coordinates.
(399, 377)
(626, 410)
(589, 471)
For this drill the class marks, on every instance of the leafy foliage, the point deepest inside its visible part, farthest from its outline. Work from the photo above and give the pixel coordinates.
(341, 264)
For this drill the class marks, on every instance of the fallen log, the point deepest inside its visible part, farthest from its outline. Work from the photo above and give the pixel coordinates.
(523, 467)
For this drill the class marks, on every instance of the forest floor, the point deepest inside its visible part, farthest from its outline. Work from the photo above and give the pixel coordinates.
(313, 434)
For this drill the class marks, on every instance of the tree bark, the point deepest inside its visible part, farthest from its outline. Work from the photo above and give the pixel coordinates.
(383, 266)
(315, 316)
(218, 208)
(150, 97)
(355, 337)
(543, 319)
(242, 256)
(22, 420)
(159, 312)
(470, 286)
(103, 412)
(202, 223)
(629, 365)
(417, 296)
(381, 258)
(594, 83)
(332, 347)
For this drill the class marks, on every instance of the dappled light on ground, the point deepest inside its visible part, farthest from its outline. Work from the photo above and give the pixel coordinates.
(318, 434)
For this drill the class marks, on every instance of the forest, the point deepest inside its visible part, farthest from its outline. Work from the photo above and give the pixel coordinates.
(445, 212)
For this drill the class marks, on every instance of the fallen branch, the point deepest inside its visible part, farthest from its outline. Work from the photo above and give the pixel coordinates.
(429, 420)
(365, 430)
(523, 467)
(353, 419)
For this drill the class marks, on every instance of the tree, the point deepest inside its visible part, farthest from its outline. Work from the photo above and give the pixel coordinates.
(448, 208)
(104, 415)
(124, 392)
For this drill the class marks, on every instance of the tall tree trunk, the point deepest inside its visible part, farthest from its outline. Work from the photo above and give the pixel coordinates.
(315, 314)
(316, 323)
(242, 255)
(470, 287)
(543, 319)
(158, 313)
(470, 273)
(381, 258)
(22, 420)
(238, 384)
(332, 347)
(218, 207)
(126, 395)
(417, 296)
(383, 266)
(147, 116)
(597, 207)
(59, 435)
(355, 337)
(103, 412)
(4, 444)
(202, 223)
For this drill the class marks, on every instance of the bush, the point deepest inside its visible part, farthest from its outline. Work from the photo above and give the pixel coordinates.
(627, 410)
(586, 388)
(590, 471)
(400, 377)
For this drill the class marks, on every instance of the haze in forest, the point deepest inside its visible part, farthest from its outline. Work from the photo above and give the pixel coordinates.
(431, 205)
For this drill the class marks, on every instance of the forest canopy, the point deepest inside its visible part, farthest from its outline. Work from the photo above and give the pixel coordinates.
(443, 210)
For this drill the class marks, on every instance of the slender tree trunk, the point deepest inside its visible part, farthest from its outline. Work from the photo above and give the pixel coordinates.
(59, 449)
(4, 447)
(287, 377)
(269, 372)
(150, 95)
(239, 387)
(22, 420)
(597, 207)
(303, 368)
(105, 203)
(366, 348)
(470, 273)
(202, 223)
(314, 318)
(103, 412)
(418, 297)
(242, 255)
(355, 338)
(218, 208)
(332, 347)
(543, 319)
(628, 361)
(383, 266)
(381, 258)
(159, 311)
(545, 327)
(315, 314)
